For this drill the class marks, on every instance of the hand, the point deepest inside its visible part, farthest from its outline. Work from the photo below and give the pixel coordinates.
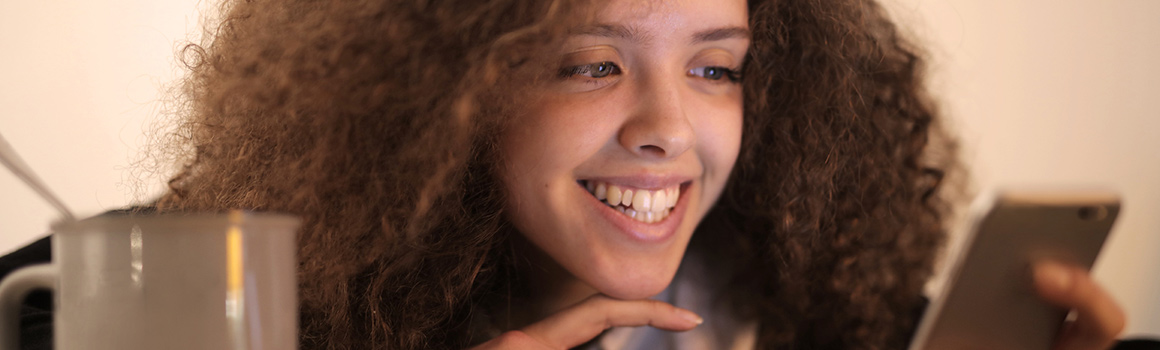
(1098, 318)
(581, 322)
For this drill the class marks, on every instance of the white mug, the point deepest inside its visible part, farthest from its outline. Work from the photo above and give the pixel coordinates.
(147, 282)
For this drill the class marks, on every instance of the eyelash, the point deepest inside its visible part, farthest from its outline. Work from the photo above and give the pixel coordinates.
(733, 75)
(705, 72)
(569, 72)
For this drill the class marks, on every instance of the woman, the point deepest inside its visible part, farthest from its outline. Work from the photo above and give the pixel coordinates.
(526, 174)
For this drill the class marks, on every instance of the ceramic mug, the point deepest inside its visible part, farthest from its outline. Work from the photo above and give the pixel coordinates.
(147, 282)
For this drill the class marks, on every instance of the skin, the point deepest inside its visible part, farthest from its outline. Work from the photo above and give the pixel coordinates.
(659, 121)
(1099, 319)
(655, 121)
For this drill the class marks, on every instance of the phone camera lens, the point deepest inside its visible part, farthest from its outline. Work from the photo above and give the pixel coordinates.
(1094, 213)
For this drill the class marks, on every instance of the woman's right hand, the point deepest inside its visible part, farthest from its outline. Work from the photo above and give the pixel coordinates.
(587, 319)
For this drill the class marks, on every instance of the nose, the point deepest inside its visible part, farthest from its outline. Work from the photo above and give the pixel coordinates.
(659, 127)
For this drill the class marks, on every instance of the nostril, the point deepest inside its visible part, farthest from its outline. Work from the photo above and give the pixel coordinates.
(652, 150)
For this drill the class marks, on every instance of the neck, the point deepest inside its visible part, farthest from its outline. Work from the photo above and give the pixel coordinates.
(550, 287)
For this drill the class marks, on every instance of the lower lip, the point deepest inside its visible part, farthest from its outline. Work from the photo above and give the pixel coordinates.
(639, 231)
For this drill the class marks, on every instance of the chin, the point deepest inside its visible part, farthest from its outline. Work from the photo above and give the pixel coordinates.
(635, 286)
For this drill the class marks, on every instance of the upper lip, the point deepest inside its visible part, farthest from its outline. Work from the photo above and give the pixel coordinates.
(645, 182)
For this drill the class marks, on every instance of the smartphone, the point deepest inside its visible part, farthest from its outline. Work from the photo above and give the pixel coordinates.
(990, 301)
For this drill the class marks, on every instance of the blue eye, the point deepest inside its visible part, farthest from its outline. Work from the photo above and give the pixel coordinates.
(595, 70)
(715, 73)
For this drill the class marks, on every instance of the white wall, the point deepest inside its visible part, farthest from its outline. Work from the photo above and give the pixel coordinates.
(79, 81)
(1041, 91)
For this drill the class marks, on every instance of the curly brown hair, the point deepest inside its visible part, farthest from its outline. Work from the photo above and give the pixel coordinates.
(375, 121)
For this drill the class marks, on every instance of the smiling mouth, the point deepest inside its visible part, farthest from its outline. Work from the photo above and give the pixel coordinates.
(647, 206)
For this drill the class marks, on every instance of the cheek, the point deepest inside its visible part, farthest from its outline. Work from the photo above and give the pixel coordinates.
(542, 147)
(554, 136)
(719, 137)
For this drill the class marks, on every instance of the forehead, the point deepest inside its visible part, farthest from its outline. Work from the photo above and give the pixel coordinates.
(671, 15)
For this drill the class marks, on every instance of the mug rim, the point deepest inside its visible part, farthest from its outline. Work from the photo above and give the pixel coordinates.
(186, 219)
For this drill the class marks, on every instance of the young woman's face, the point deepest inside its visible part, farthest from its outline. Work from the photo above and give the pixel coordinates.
(615, 160)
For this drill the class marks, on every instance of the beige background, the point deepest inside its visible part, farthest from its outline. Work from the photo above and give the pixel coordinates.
(1041, 92)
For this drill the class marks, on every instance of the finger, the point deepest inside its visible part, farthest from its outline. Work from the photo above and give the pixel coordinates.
(1099, 319)
(581, 322)
(511, 340)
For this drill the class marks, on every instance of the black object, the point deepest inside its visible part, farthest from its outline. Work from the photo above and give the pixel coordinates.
(36, 314)
(1138, 344)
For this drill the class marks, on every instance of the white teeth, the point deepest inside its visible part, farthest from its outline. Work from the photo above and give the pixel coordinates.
(659, 201)
(614, 195)
(642, 201)
(641, 205)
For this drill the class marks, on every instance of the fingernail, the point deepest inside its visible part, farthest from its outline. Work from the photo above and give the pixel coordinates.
(1053, 276)
(690, 316)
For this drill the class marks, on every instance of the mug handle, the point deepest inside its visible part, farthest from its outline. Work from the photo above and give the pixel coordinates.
(12, 292)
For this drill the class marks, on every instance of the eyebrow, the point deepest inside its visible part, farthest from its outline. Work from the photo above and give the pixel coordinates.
(721, 34)
(635, 34)
(612, 31)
